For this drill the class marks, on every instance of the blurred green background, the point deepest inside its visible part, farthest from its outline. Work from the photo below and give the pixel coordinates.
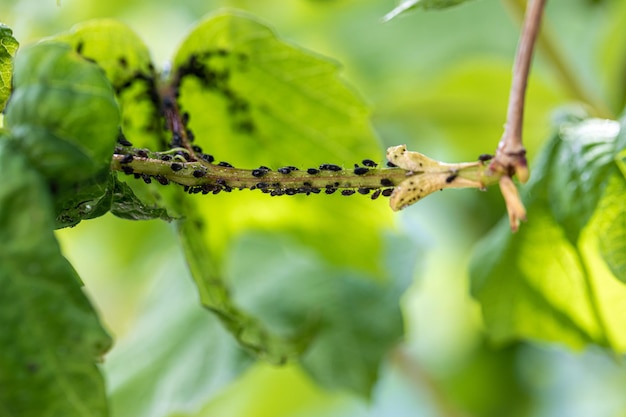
(437, 81)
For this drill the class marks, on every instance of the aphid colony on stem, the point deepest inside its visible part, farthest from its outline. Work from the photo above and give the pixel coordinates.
(408, 177)
(201, 176)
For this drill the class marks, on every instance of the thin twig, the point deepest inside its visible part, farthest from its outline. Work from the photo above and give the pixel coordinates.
(550, 50)
(510, 158)
(511, 151)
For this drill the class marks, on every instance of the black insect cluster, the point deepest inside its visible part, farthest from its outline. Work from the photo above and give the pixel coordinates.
(183, 156)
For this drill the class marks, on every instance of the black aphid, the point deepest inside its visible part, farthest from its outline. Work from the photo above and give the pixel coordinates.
(312, 171)
(183, 154)
(262, 185)
(196, 148)
(168, 103)
(166, 157)
(485, 157)
(291, 167)
(361, 170)
(330, 167)
(137, 176)
(369, 163)
(162, 180)
(176, 166)
(290, 191)
(315, 190)
(127, 159)
(177, 140)
(258, 173)
(451, 178)
(228, 188)
(221, 181)
(285, 170)
(265, 168)
(127, 170)
(387, 192)
(121, 139)
(347, 192)
(225, 164)
(391, 164)
(142, 154)
(330, 190)
(198, 173)
(146, 178)
(376, 194)
(364, 190)
(207, 157)
(184, 118)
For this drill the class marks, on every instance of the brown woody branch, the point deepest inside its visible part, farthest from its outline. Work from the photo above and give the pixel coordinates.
(510, 158)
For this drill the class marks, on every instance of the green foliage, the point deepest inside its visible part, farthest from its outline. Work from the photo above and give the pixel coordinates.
(314, 281)
(63, 113)
(214, 295)
(126, 205)
(248, 78)
(189, 357)
(407, 5)
(353, 319)
(51, 336)
(548, 282)
(610, 223)
(126, 61)
(8, 47)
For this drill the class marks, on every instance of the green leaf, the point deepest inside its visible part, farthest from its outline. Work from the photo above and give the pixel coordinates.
(247, 77)
(236, 67)
(8, 47)
(610, 224)
(579, 171)
(88, 199)
(99, 195)
(63, 113)
(176, 357)
(407, 5)
(287, 285)
(126, 60)
(50, 335)
(549, 282)
(327, 122)
(126, 205)
(214, 295)
(531, 285)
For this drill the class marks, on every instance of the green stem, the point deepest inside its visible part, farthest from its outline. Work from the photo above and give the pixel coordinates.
(213, 177)
(558, 62)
